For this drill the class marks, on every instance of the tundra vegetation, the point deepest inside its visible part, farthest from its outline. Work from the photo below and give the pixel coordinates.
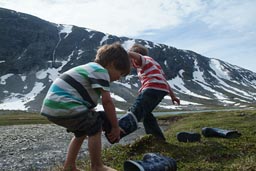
(210, 154)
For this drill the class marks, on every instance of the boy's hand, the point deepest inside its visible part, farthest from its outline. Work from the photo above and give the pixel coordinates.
(175, 99)
(114, 135)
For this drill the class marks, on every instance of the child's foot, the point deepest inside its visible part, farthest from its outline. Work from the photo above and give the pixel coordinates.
(69, 169)
(104, 168)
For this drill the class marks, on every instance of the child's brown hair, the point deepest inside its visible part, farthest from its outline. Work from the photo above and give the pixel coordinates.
(115, 53)
(138, 48)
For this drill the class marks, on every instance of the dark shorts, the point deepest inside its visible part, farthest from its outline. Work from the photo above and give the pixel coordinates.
(88, 123)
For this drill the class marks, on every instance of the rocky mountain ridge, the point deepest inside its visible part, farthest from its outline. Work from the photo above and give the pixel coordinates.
(33, 52)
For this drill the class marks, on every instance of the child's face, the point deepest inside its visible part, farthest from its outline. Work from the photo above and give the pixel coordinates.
(114, 74)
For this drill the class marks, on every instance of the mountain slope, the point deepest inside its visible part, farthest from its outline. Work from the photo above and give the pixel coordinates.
(34, 52)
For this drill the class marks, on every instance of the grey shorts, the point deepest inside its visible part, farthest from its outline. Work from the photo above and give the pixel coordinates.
(88, 123)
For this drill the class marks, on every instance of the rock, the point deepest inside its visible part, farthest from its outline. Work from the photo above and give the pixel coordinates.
(40, 147)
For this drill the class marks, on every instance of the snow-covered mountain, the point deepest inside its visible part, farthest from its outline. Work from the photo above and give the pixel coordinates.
(34, 52)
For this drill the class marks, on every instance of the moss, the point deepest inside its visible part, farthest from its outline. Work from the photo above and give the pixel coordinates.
(211, 154)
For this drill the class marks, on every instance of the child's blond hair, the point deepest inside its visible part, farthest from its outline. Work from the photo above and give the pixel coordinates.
(115, 53)
(138, 48)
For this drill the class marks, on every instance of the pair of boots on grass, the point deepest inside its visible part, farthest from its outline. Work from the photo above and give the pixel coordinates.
(207, 132)
(156, 162)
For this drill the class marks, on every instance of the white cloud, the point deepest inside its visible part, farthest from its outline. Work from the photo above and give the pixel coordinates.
(214, 28)
(132, 18)
(231, 15)
(117, 17)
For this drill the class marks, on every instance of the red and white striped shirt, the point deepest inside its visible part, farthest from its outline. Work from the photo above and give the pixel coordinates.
(151, 75)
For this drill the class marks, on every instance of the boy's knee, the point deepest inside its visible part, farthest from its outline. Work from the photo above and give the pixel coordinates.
(81, 138)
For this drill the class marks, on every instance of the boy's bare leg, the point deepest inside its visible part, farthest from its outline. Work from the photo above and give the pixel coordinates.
(73, 149)
(94, 145)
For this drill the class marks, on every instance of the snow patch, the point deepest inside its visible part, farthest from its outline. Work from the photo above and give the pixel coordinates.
(182, 102)
(17, 101)
(99, 107)
(128, 44)
(123, 84)
(230, 89)
(199, 78)
(177, 81)
(42, 74)
(4, 78)
(104, 39)
(66, 29)
(220, 70)
(117, 98)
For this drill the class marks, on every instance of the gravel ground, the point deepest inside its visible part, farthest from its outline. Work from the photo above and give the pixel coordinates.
(39, 147)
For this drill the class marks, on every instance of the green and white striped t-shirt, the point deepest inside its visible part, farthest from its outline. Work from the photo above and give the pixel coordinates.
(75, 91)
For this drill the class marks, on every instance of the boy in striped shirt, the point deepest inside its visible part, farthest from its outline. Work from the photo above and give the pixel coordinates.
(72, 97)
(154, 87)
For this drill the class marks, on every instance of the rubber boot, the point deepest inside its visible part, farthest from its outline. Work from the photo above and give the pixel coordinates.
(151, 162)
(217, 132)
(188, 137)
(128, 123)
(168, 162)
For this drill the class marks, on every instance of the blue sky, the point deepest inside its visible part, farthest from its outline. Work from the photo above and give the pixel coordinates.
(222, 29)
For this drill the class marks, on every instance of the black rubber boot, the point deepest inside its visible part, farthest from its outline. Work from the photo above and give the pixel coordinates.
(128, 123)
(217, 132)
(188, 137)
(151, 162)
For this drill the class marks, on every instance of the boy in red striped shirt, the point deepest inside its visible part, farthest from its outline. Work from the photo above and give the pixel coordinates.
(154, 87)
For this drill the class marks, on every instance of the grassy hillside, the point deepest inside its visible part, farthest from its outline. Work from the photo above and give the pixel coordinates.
(211, 154)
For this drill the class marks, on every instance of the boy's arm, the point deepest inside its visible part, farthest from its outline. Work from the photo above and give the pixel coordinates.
(174, 98)
(110, 111)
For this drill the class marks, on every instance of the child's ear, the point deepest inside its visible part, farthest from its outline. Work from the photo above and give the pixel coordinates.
(135, 63)
(110, 65)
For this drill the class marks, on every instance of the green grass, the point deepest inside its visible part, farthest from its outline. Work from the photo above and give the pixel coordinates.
(8, 117)
(211, 154)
